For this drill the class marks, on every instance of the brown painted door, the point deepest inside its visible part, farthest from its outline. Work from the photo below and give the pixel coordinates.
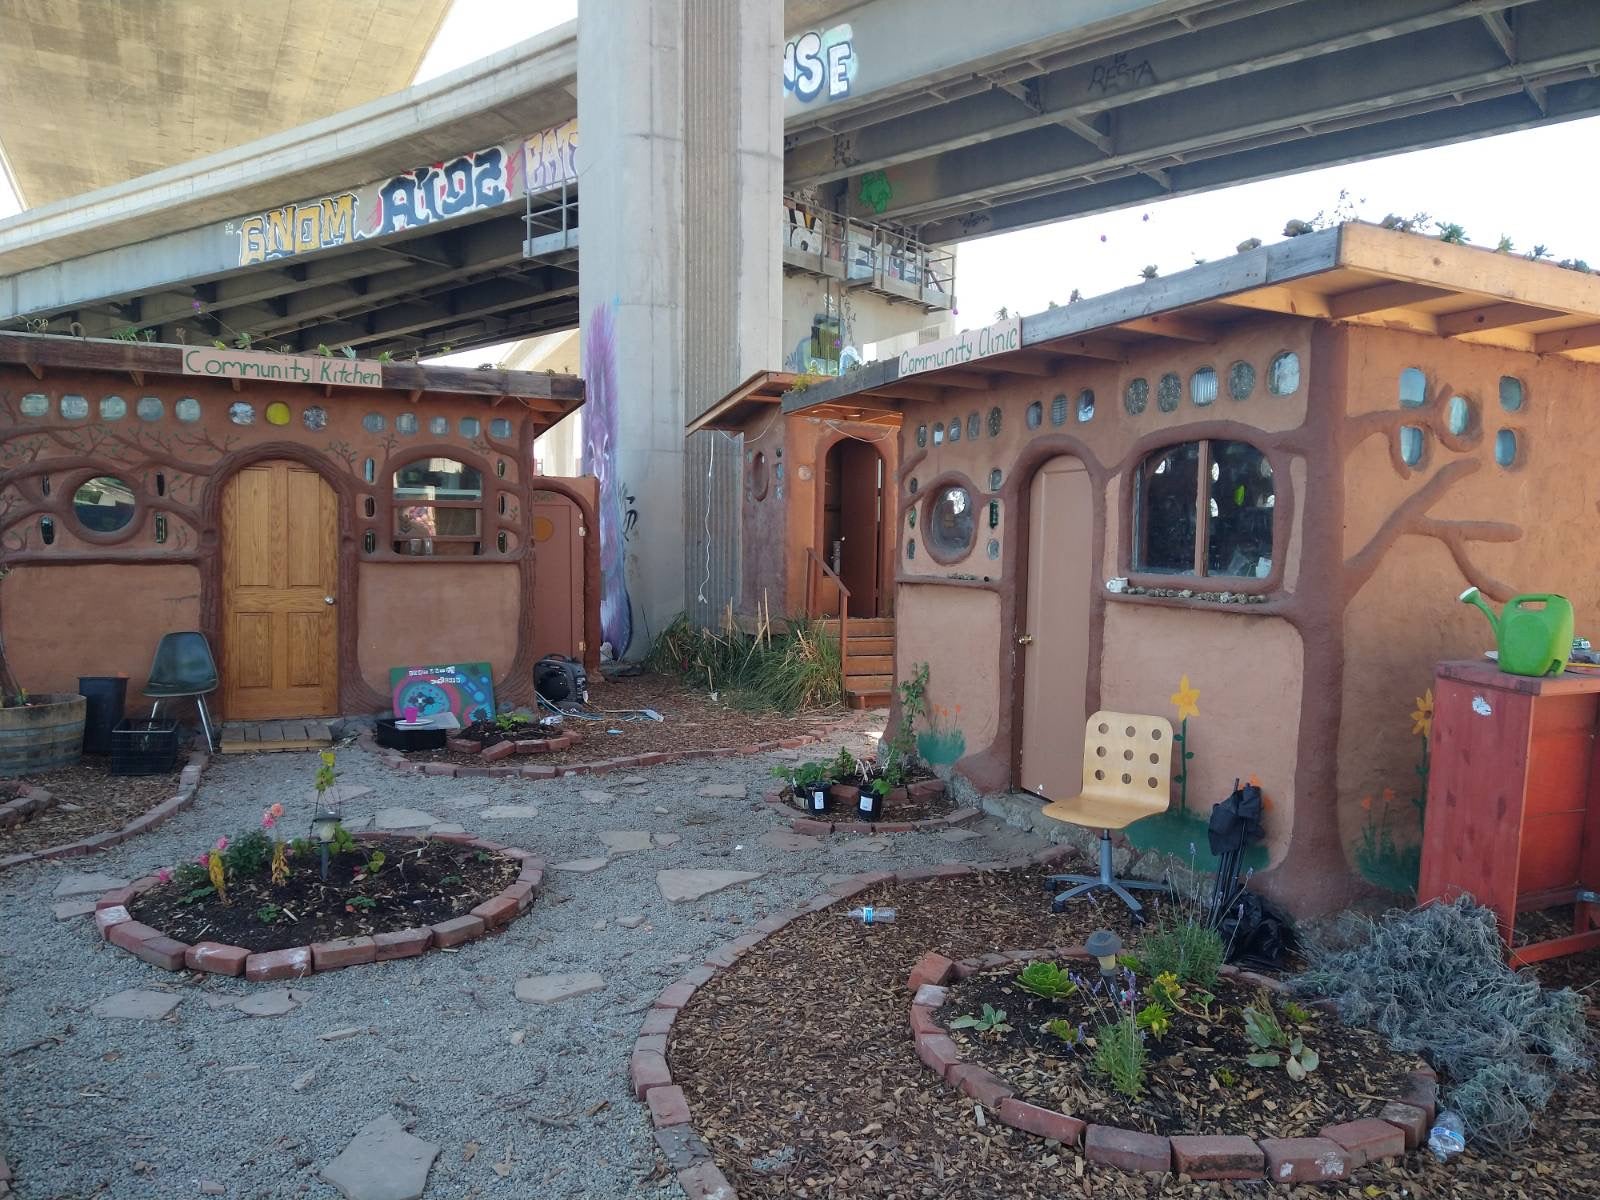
(280, 536)
(1054, 652)
(557, 577)
(860, 524)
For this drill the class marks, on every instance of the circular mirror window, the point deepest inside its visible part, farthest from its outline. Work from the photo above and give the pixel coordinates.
(950, 525)
(103, 504)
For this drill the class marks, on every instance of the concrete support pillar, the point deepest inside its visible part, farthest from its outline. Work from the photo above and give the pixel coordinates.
(680, 177)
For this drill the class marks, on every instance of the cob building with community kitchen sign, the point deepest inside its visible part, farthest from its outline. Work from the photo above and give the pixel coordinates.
(322, 520)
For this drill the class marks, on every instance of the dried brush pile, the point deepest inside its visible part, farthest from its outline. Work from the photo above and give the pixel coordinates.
(1435, 982)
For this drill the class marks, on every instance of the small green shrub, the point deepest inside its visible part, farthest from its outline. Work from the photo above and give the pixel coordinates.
(783, 670)
(268, 914)
(1274, 1044)
(364, 903)
(248, 854)
(1184, 948)
(1069, 1033)
(1047, 980)
(992, 1020)
(1119, 1055)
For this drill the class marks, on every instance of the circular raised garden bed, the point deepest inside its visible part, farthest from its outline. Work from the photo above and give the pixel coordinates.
(925, 805)
(1203, 1110)
(432, 892)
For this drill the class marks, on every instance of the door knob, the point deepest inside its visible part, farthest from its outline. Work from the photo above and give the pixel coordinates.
(1025, 640)
(327, 599)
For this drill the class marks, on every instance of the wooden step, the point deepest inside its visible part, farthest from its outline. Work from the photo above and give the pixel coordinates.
(863, 626)
(862, 684)
(255, 737)
(867, 699)
(867, 664)
(861, 646)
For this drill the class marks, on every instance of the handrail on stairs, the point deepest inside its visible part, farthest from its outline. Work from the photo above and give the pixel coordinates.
(815, 560)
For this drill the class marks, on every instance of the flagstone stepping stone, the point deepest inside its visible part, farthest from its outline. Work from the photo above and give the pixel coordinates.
(137, 1004)
(632, 922)
(509, 812)
(782, 839)
(403, 818)
(631, 780)
(340, 793)
(87, 883)
(726, 791)
(276, 1003)
(662, 812)
(693, 883)
(664, 840)
(68, 909)
(625, 841)
(382, 1162)
(581, 866)
(552, 989)
(958, 835)
(447, 827)
(872, 845)
(596, 797)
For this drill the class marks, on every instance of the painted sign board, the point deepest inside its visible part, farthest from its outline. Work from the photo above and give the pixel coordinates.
(465, 690)
(283, 368)
(964, 347)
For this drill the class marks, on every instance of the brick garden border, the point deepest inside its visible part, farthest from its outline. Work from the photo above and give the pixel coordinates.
(686, 1154)
(117, 926)
(1401, 1126)
(28, 801)
(188, 786)
(822, 827)
(394, 758)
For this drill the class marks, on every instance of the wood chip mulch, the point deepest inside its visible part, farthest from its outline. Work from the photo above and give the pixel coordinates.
(693, 721)
(802, 1078)
(417, 884)
(1196, 1079)
(88, 800)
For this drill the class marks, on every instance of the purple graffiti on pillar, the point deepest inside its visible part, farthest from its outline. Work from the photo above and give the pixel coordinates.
(599, 459)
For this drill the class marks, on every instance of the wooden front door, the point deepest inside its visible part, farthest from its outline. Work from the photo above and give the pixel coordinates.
(1054, 651)
(280, 537)
(860, 474)
(557, 576)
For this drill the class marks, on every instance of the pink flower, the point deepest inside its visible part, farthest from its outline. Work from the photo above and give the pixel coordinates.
(276, 810)
(268, 820)
(164, 875)
(205, 858)
(222, 844)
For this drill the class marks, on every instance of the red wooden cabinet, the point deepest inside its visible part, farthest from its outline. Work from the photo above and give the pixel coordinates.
(1513, 816)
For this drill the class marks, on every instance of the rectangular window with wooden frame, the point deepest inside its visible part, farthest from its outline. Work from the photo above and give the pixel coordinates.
(1205, 509)
(438, 509)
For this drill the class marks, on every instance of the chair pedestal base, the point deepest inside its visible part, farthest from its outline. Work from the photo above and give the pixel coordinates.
(1107, 879)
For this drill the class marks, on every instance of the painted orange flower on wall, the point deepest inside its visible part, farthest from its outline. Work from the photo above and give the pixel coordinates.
(1186, 699)
(1422, 715)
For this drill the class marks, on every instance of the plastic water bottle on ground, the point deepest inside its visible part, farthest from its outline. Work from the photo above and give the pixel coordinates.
(872, 916)
(1448, 1137)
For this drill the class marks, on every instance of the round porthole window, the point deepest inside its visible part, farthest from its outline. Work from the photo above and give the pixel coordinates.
(1136, 396)
(922, 436)
(1203, 387)
(1168, 392)
(1058, 410)
(1283, 376)
(1505, 448)
(103, 504)
(1458, 415)
(972, 427)
(500, 427)
(994, 422)
(1413, 388)
(314, 418)
(950, 524)
(954, 434)
(1241, 380)
(1035, 414)
(373, 422)
(406, 423)
(1085, 406)
(187, 409)
(113, 408)
(995, 478)
(1510, 393)
(277, 413)
(1411, 445)
(760, 476)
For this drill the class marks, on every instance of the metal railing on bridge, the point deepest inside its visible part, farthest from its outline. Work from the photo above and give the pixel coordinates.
(863, 255)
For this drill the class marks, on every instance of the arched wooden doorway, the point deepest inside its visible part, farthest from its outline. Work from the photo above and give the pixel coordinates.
(556, 529)
(853, 524)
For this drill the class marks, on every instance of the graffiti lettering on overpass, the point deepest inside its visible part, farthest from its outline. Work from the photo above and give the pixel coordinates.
(1116, 74)
(552, 156)
(294, 228)
(600, 441)
(820, 64)
(444, 190)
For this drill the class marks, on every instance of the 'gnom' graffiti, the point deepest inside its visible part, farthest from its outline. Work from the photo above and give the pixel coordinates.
(296, 228)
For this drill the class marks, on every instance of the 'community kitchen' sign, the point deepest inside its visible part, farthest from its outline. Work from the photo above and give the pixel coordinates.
(283, 368)
(999, 338)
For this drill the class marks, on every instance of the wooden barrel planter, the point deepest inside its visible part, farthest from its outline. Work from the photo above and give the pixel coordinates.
(45, 734)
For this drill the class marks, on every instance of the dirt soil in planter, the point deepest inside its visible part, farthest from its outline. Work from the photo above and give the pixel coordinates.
(487, 733)
(89, 799)
(693, 721)
(1188, 1070)
(893, 810)
(802, 1077)
(420, 883)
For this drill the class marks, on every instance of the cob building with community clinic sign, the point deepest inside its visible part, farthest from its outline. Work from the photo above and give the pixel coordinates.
(322, 520)
(1245, 497)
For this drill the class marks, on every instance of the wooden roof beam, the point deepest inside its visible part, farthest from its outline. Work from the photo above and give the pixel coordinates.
(1382, 296)
(1087, 347)
(1294, 302)
(1557, 340)
(917, 392)
(1171, 325)
(975, 380)
(1491, 316)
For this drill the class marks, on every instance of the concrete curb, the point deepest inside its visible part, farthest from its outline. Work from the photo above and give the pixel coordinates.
(188, 787)
(117, 926)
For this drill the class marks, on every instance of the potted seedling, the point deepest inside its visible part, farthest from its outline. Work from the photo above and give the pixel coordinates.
(808, 785)
(886, 784)
(846, 774)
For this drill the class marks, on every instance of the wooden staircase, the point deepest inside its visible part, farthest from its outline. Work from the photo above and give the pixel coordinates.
(869, 660)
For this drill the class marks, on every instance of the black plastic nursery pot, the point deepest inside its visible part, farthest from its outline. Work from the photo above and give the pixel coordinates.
(813, 798)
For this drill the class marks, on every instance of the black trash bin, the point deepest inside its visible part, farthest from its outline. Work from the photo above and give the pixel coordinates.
(106, 696)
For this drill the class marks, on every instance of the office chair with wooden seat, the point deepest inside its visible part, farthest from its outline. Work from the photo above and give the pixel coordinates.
(1126, 776)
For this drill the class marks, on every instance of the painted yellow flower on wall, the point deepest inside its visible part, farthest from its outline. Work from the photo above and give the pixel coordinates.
(1422, 715)
(1186, 699)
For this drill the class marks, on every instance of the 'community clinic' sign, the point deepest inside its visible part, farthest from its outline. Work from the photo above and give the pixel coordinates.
(283, 368)
(999, 338)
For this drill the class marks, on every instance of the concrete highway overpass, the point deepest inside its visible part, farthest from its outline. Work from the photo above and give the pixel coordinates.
(1035, 113)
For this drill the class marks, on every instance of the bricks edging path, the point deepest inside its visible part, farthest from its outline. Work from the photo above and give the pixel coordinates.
(822, 827)
(188, 786)
(651, 1078)
(1328, 1158)
(117, 926)
(399, 762)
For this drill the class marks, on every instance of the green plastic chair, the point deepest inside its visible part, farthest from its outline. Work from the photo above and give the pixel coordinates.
(183, 666)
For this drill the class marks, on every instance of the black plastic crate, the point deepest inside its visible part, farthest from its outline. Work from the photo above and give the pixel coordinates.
(144, 746)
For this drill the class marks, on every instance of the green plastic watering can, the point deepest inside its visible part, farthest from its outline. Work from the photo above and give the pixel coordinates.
(1534, 633)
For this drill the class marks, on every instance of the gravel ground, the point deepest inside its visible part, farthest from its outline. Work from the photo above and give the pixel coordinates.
(522, 1100)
